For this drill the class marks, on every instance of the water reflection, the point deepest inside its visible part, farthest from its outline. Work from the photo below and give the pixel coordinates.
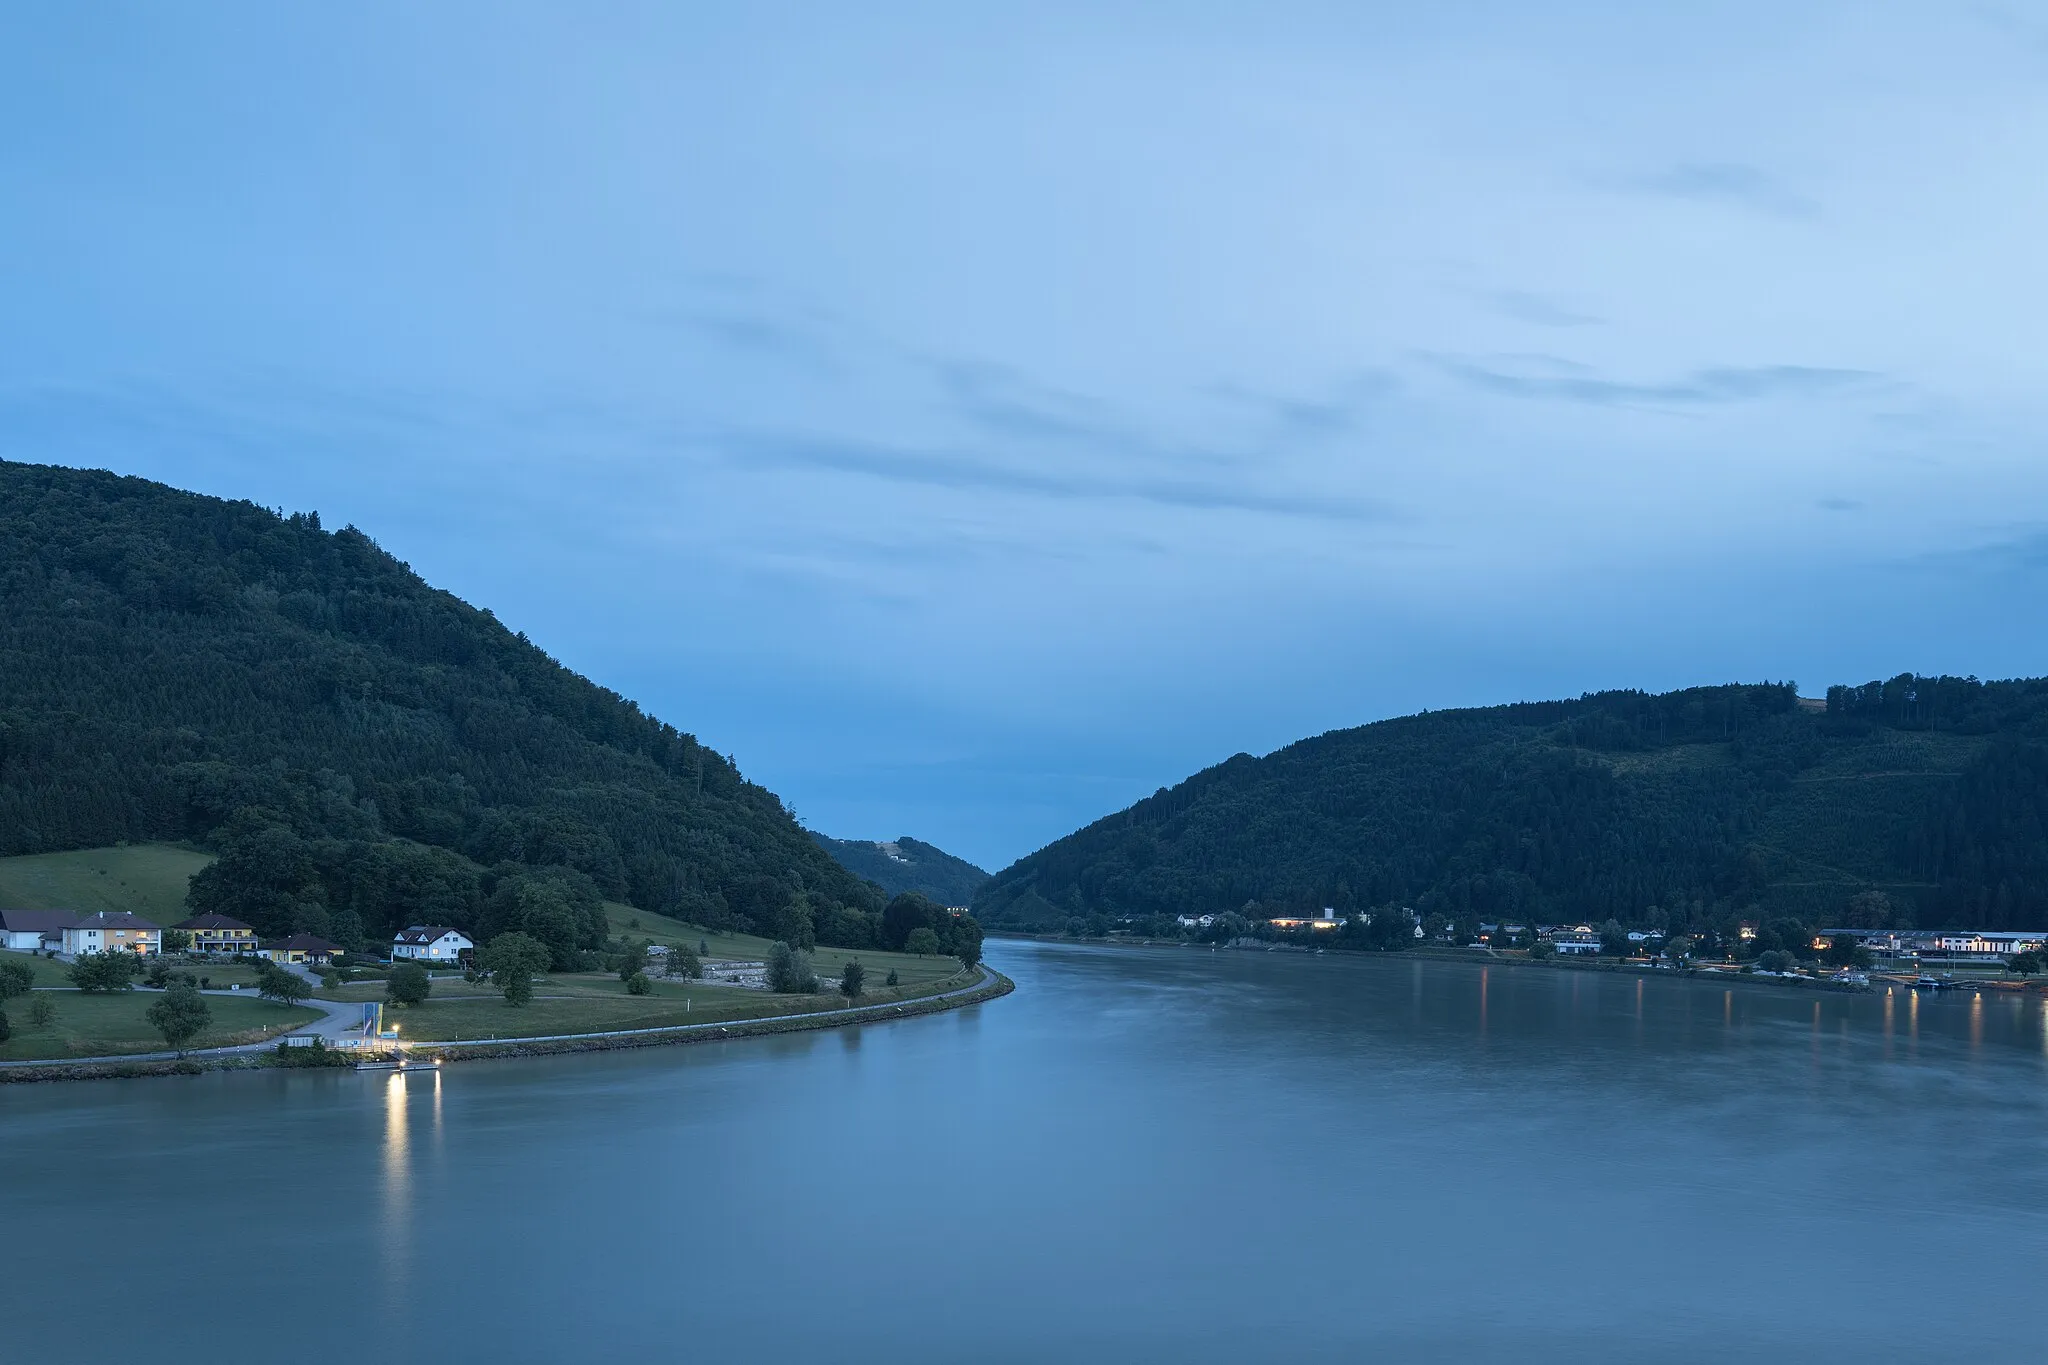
(396, 1251)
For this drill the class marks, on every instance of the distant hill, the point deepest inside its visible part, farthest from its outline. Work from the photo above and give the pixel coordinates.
(360, 749)
(907, 865)
(1698, 807)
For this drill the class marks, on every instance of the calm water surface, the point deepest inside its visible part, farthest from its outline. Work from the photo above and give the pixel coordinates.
(1167, 1155)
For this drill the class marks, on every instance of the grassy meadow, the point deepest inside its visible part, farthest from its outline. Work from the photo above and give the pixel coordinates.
(149, 879)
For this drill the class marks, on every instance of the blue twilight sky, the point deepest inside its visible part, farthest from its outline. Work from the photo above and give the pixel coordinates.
(976, 416)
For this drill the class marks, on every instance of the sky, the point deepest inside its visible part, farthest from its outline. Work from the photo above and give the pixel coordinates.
(975, 417)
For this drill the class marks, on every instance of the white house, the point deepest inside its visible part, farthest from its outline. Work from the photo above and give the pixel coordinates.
(1576, 945)
(430, 943)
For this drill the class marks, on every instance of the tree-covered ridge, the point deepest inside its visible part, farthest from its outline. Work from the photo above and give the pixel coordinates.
(907, 865)
(364, 750)
(1696, 808)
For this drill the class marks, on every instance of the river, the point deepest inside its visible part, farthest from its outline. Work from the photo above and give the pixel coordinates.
(1172, 1155)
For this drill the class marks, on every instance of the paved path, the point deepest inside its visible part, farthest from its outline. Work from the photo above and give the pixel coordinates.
(346, 1017)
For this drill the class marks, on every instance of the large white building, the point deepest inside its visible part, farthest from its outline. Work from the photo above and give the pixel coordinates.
(430, 943)
(111, 932)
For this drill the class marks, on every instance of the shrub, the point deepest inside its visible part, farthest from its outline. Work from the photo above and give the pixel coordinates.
(6, 1029)
(851, 979)
(16, 978)
(922, 941)
(638, 984)
(893, 980)
(41, 1013)
(789, 971)
(408, 984)
(103, 971)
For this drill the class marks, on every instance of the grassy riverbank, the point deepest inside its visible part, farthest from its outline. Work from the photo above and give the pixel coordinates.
(106, 1025)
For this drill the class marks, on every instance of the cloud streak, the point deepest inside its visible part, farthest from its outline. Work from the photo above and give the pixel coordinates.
(1722, 182)
(1715, 386)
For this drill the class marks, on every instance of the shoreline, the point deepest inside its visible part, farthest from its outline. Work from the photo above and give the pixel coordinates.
(1487, 958)
(257, 1057)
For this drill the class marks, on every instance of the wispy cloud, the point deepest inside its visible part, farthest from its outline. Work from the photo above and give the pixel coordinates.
(1839, 505)
(959, 471)
(1725, 182)
(1719, 385)
(1535, 309)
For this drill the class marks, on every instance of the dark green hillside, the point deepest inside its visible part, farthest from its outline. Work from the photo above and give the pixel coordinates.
(363, 750)
(1705, 805)
(907, 865)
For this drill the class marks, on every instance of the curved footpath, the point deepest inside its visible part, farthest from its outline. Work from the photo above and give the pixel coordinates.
(340, 1017)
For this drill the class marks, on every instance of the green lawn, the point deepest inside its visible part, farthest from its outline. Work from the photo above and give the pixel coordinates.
(628, 923)
(149, 879)
(217, 974)
(102, 1025)
(576, 1005)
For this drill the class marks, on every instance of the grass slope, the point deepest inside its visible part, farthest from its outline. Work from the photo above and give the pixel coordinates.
(907, 864)
(148, 879)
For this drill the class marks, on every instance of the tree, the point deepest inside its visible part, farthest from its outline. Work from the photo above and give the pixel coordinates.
(892, 978)
(633, 962)
(789, 971)
(922, 941)
(1678, 947)
(1774, 960)
(1542, 948)
(6, 1028)
(2025, 964)
(180, 1013)
(177, 940)
(276, 983)
(905, 915)
(16, 978)
(1844, 950)
(103, 971)
(850, 978)
(682, 961)
(513, 960)
(41, 1013)
(408, 984)
(966, 944)
(639, 984)
(158, 973)
(1614, 940)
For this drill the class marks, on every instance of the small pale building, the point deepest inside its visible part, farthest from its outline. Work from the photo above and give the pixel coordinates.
(31, 931)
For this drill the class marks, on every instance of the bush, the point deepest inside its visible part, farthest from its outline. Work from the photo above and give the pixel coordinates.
(1542, 948)
(6, 1028)
(1775, 960)
(103, 971)
(41, 1013)
(893, 979)
(408, 984)
(638, 984)
(789, 971)
(852, 979)
(16, 978)
(921, 941)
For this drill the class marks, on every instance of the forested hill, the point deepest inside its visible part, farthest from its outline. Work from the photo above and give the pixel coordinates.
(363, 750)
(1921, 799)
(907, 865)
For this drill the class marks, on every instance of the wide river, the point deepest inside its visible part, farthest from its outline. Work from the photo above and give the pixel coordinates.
(1141, 1155)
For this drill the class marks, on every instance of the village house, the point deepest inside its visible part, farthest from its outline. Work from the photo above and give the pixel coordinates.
(314, 952)
(34, 931)
(111, 932)
(218, 934)
(430, 943)
(1577, 943)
